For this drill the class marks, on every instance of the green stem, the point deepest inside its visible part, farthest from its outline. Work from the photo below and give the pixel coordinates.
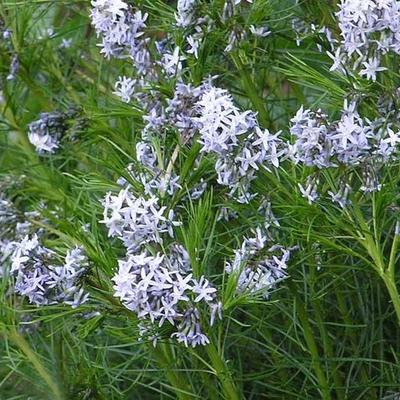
(163, 354)
(224, 376)
(364, 377)
(374, 251)
(34, 360)
(328, 350)
(251, 91)
(312, 346)
(277, 359)
(326, 341)
(393, 293)
(367, 240)
(60, 363)
(393, 253)
(166, 360)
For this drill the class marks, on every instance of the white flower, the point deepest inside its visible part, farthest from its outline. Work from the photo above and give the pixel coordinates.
(393, 138)
(43, 143)
(236, 139)
(113, 7)
(203, 289)
(255, 276)
(125, 88)
(371, 68)
(43, 281)
(45, 133)
(146, 155)
(22, 250)
(341, 197)
(172, 62)
(220, 121)
(261, 31)
(157, 291)
(185, 11)
(194, 45)
(338, 60)
(136, 220)
(310, 191)
(367, 27)
(121, 33)
(66, 43)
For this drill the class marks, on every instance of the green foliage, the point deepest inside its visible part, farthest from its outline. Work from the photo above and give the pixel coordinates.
(329, 331)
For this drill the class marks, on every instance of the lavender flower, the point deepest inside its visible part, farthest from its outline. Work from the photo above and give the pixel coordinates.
(181, 111)
(136, 220)
(66, 43)
(121, 31)
(189, 330)
(43, 281)
(125, 88)
(265, 210)
(185, 13)
(257, 268)
(309, 192)
(241, 146)
(351, 140)
(8, 222)
(369, 29)
(221, 122)
(14, 67)
(171, 63)
(14, 226)
(160, 289)
(313, 144)
(155, 181)
(46, 132)
(341, 197)
(261, 31)
(194, 44)
(371, 67)
(371, 182)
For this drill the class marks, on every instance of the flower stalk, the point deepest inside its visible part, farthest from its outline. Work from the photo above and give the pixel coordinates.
(385, 270)
(223, 374)
(23, 345)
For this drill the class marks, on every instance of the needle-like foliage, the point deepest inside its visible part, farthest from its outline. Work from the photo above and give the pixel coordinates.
(199, 199)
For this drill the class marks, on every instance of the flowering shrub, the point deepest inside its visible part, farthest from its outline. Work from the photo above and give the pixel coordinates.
(199, 199)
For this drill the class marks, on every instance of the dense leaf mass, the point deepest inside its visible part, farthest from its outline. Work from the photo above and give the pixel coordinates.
(199, 199)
